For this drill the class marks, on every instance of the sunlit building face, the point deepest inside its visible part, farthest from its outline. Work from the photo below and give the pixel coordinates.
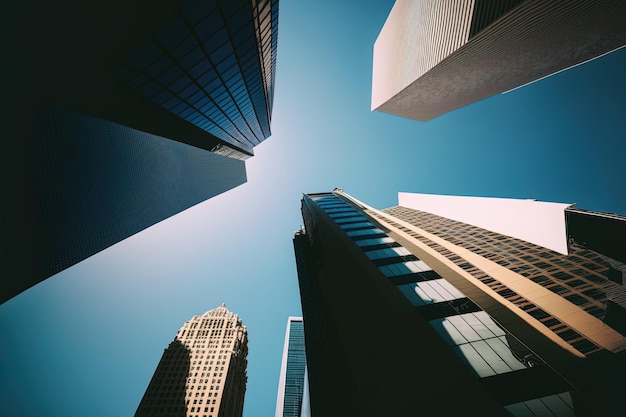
(432, 57)
(203, 371)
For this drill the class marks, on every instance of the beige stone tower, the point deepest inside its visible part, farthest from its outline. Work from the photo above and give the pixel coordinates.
(203, 371)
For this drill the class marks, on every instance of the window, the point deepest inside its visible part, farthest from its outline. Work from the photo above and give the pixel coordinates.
(576, 283)
(404, 268)
(365, 232)
(387, 253)
(429, 292)
(351, 219)
(355, 225)
(576, 299)
(479, 342)
(558, 289)
(374, 241)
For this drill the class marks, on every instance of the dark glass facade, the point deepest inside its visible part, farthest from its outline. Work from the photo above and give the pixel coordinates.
(385, 263)
(600, 232)
(213, 66)
(102, 182)
(122, 113)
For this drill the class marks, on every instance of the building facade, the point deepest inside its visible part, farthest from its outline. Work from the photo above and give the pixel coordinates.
(408, 311)
(122, 114)
(203, 371)
(432, 57)
(292, 399)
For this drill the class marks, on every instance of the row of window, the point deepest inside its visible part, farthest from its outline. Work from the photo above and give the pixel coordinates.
(209, 74)
(474, 337)
(565, 332)
(580, 276)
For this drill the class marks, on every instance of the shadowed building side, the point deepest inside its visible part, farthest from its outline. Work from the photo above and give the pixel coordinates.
(166, 392)
(99, 183)
(368, 352)
(93, 93)
(418, 313)
(212, 380)
(603, 233)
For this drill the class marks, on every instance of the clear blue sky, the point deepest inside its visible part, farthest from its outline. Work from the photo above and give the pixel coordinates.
(86, 341)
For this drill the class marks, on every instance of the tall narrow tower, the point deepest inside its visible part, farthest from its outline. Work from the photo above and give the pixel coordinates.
(203, 371)
(292, 399)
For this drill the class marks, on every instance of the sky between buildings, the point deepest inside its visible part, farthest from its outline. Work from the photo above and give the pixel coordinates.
(86, 341)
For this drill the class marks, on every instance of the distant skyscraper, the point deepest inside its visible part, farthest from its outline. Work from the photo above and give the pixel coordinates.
(432, 56)
(437, 307)
(293, 384)
(123, 114)
(203, 371)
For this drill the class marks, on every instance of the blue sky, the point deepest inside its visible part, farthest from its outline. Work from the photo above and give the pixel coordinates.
(86, 341)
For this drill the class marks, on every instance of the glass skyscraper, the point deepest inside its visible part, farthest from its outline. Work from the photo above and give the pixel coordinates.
(292, 400)
(214, 66)
(124, 114)
(409, 311)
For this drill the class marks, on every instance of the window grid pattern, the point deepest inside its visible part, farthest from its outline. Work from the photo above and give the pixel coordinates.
(581, 277)
(569, 335)
(295, 370)
(479, 342)
(474, 336)
(214, 67)
(203, 371)
(391, 258)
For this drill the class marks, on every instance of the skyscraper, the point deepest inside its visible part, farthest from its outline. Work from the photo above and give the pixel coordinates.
(122, 114)
(203, 371)
(293, 384)
(410, 311)
(432, 57)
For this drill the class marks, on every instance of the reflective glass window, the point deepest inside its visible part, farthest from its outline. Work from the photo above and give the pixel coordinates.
(375, 241)
(387, 253)
(337, 208)
(404, 268)
(350, 219)
(429, 292)
(479, 342)
(347, 213)
(355, 225)
(374, 231)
